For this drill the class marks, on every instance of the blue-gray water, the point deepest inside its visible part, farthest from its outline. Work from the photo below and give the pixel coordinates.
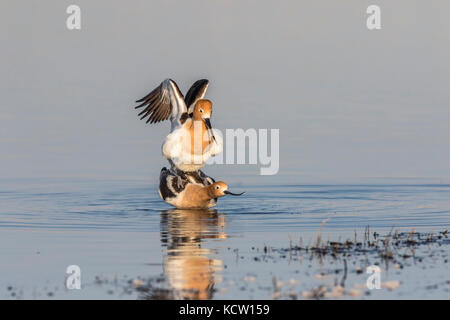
(121, 229)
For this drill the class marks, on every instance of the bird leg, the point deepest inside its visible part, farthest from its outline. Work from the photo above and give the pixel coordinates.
(180, 182)
(181, 176)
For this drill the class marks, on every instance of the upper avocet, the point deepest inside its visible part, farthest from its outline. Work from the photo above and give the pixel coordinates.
(191, 141)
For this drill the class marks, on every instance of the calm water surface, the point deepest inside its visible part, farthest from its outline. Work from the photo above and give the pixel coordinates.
(121, 230)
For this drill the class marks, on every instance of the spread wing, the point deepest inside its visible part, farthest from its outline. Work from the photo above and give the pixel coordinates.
(164, 102)
(195, 93)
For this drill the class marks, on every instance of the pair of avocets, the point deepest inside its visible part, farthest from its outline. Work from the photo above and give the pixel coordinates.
(190, 143)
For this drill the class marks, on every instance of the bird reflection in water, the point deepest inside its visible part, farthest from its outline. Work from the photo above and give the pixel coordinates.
(190, 270)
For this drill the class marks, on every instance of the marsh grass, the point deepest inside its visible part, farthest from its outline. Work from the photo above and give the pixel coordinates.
(387, 247)
(396, 247)
(349, 256)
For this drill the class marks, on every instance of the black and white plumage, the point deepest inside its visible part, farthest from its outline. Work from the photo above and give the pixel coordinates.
(167, 102)
(195, 93)
(172, 183)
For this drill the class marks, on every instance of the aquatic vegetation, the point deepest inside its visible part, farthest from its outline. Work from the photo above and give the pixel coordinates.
(348, 257)
(393, 248)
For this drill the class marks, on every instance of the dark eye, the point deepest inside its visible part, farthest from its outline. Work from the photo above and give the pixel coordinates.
(217, 187)
(201, 111)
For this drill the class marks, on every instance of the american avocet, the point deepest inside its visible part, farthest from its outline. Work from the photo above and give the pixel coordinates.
(192, 193)
(167, 102)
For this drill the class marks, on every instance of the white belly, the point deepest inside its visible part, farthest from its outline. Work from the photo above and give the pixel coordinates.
(177, 148)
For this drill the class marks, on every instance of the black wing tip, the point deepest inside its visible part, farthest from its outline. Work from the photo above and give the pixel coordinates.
(200, 83)
(197, 90)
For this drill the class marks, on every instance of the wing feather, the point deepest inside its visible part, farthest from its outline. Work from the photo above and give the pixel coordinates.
(195, 93)
(164, 102)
